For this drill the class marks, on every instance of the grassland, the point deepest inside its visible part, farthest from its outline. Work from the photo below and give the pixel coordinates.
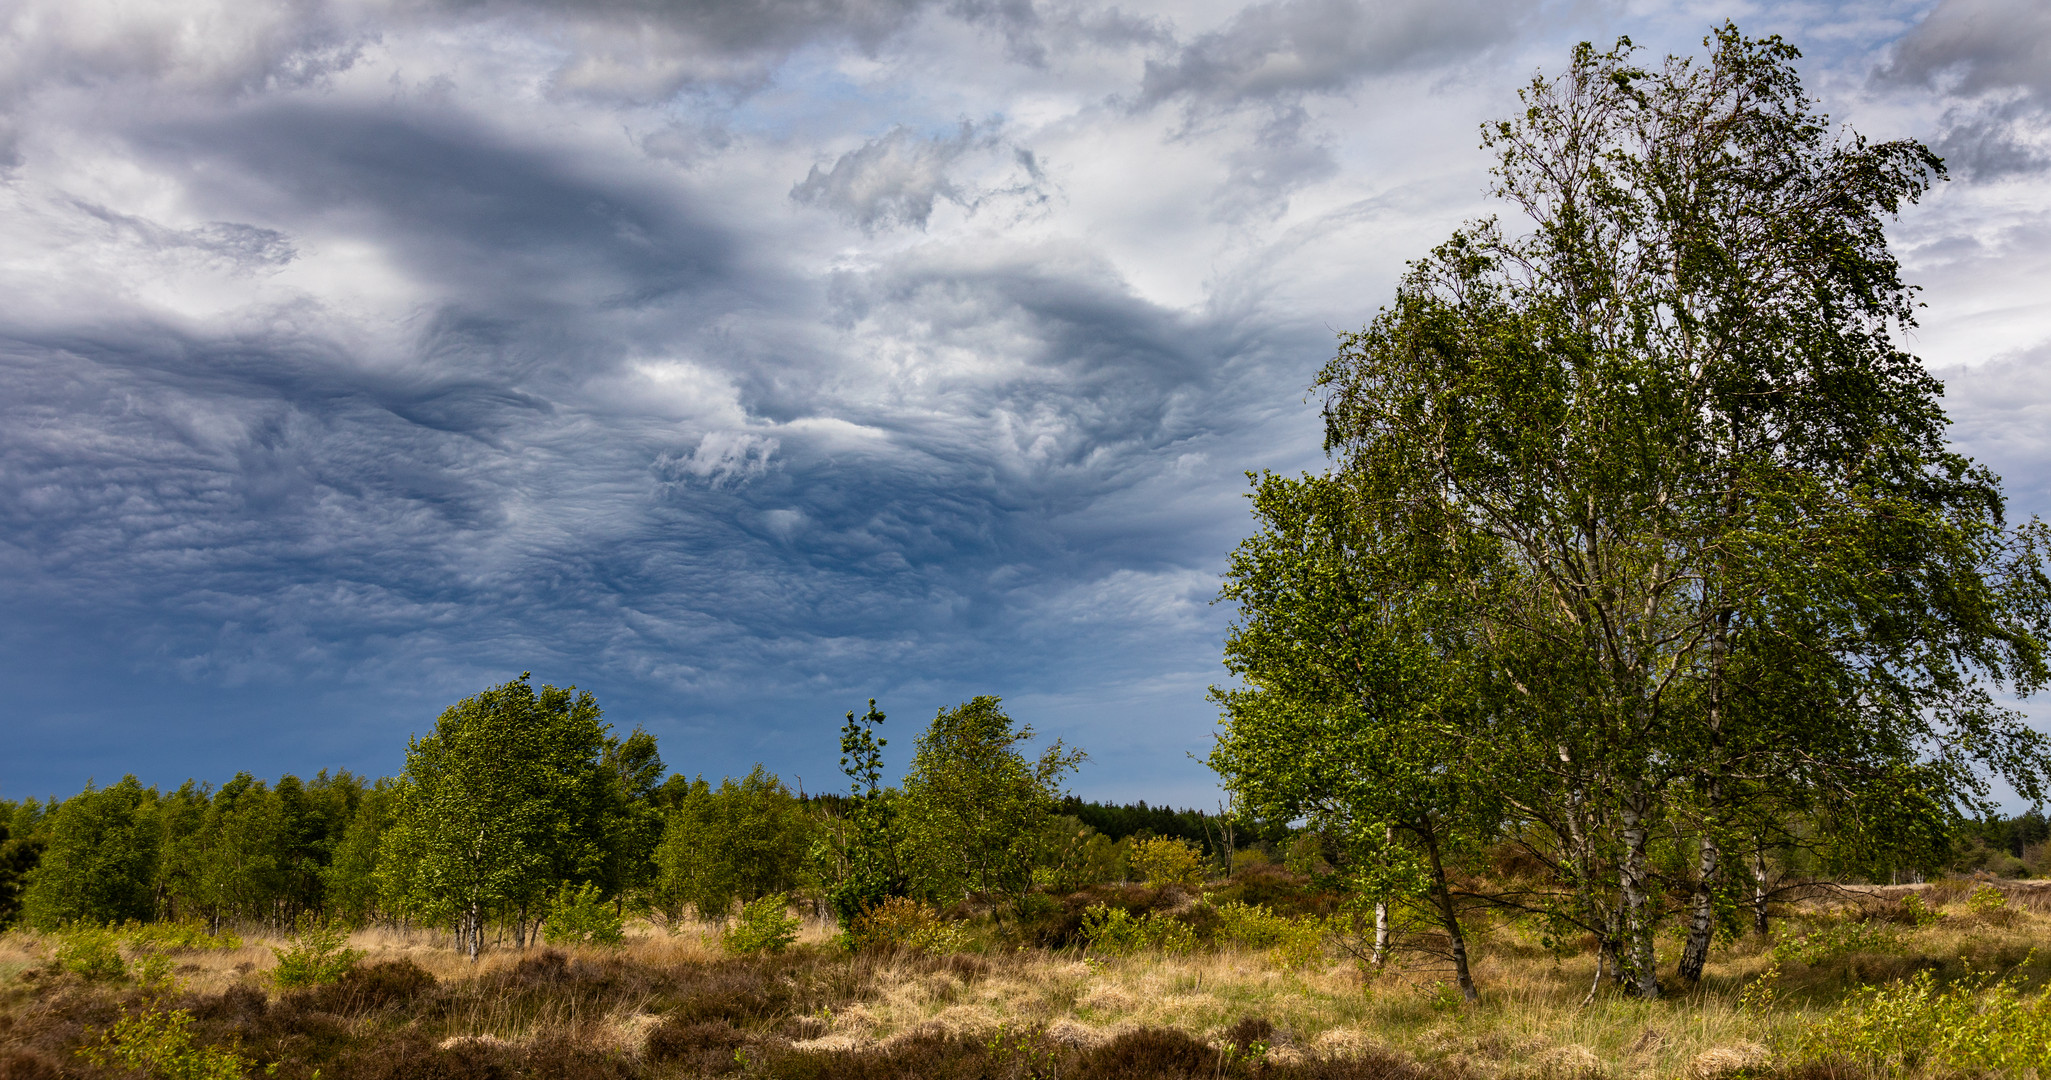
(1802, 1002)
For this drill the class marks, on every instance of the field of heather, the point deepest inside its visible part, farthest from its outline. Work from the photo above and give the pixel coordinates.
(1941, 980)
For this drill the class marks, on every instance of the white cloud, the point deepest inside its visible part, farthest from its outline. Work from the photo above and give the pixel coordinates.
(702, 351)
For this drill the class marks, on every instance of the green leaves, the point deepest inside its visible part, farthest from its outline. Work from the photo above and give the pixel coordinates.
(975, 806)
(741, 841)
(860, 861)
(1641, 524)
(510, 797)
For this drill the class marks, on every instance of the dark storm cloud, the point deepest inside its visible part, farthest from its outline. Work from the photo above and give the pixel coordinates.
(471, 215)
(1973, 46)
(1995, 55)
(697, 352)
(477, 494)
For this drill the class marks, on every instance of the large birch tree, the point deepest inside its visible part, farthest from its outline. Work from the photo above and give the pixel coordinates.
(1720, 563)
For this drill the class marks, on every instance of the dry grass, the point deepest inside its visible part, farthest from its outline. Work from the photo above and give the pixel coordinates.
(673, 1005)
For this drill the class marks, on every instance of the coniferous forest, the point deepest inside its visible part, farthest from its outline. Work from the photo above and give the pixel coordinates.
(1626, 698)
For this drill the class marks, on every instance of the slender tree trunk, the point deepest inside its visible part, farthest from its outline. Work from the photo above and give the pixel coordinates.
(1449, 916)
(1639, 945)
(1381, 918)
(1759, 892)
(1702, 922)
(476, 928)
(1709, 868)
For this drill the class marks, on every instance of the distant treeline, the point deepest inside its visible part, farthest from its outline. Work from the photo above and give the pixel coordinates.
(521, 794)
(523, 797)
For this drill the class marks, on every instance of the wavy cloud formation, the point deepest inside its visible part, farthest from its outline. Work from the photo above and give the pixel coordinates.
(741, 361)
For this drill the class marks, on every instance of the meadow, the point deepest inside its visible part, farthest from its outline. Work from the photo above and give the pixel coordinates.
(1942, 980)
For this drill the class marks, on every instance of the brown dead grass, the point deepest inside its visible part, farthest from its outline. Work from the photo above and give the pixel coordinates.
(677, 1005)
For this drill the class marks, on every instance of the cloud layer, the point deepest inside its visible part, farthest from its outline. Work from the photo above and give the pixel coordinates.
(741, 361)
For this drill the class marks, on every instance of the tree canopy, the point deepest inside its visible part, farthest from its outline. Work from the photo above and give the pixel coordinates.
(1642, 528)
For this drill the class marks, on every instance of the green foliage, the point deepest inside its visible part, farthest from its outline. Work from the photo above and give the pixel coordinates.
(975, 807)
(583, 916)
(765, 925)
(185, 936)
(1074, 855)
(158, 1042)
(1643, 532)
(100, 861)
(860, 861)
(1976, 1026)
(901, 922)
(1162, 860)
(1291, 942)
(741, 841)
(1987, 902)
(350, 878)
(18, 856)
(510, 797)
(1306, 855)
(321, 955)
(1114, 931)
(91, 951)
(1120, 820)
(1838, 938)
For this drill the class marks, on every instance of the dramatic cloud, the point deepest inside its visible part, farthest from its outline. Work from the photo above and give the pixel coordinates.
(1975, 46)
(742, 361)
(1995, 56)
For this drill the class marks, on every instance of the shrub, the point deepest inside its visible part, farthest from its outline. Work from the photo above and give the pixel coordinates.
(1306, 855)
(158, 1042)
(90, 951)
(1987, 902)
(764, 925)
(1977, 1026)
(903, 923)
(1291, 943)
(190, 936)
(1166, 860)
(1116, 932)
(582, 916)
(1919, 914)
(318, 957)
(1838, 939)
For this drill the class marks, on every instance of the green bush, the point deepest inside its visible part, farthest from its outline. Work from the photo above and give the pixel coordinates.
(91, 951)
(1977, 1026)
(1291, 943)
(765, 925)
(1166, 860)
(1838, 939)
(583, 916)
(1987, 902)
(1919, 913)
(318, 957)
(178, 937)
(903, 923)
(157, 1042)
(1115, 931)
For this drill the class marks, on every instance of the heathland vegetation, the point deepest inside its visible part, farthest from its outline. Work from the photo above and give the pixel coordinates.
(1624, 700)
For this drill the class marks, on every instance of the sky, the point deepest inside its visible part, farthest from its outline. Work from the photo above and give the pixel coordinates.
(742, 361)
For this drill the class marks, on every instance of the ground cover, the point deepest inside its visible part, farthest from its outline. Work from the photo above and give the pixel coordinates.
(1942, 980)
